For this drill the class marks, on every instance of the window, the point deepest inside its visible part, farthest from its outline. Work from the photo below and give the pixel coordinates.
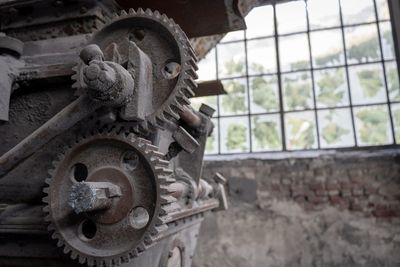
(313, 74)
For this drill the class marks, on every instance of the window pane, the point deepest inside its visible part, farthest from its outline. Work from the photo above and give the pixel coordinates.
(266, 133)
(367, 84)
(387, 40)
(362, 44)
(207, 67)
(291, 17)
(260, 22)
(327, 48)
(261, 56)
(234, 135)
(264, 94)
(383, 9)
(233, 36)
(294, 52)
(331, 87)
(373, 125)
(208, 100)
(235, 102)
(212, 140)
(392, 77)
(301, 132)
(396, 121)
(231, 60)
(335, 128)
(323, 13)
(357, 11)
(297, 91)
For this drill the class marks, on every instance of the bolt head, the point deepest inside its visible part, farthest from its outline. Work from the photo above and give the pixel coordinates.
(138, 218)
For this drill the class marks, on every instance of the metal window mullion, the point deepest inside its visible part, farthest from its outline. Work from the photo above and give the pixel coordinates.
(384, 73)
(347, 74)
(218, 96)
(280, 89)
(312, 74)
(248, 94)
(394, 8)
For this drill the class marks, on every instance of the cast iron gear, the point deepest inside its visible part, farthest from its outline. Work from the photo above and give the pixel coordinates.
(111, 238)
(166, 45)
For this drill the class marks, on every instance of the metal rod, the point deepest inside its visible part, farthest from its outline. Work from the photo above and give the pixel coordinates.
(62, 121)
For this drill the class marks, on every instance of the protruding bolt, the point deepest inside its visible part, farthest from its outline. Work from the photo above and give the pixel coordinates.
(91, 52)
(91, 196)
(171, 70)
(139, 218)
(219, 179)
(207, 110)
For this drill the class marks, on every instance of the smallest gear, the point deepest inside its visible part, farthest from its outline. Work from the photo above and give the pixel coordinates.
(107, 187)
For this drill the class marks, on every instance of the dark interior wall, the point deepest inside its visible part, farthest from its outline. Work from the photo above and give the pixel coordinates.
(321, 209)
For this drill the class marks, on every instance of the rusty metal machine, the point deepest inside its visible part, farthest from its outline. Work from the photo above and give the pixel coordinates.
(101, 152)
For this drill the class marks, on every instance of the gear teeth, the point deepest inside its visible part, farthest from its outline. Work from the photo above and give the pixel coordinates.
(123, 13)
(90, 262)
(167, 199)
(149, 12)
(140, 11)
(81, 259)
(167, 209)
(166, 179)
(132, 11)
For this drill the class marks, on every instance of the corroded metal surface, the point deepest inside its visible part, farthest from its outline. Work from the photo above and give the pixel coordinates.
(115, 150)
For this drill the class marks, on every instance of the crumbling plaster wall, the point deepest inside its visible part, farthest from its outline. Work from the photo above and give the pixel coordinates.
(318, 209)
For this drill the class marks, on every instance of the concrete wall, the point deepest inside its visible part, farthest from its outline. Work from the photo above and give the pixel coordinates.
(319, 209)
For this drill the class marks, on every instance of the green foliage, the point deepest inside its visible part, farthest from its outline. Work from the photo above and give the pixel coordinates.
(233, 67)
(257, 68)
(332, 133)
(329, 58)
(329, 84)
(266, 134)
(236, 137)
(302, 133)
(393, 84)
(297, 92)
(396, 119)
(235, 100)
(364, 50)
(373, 130)
(387, 35)
(210, 144)
(264, 94)
(300, 65)
(370, 81)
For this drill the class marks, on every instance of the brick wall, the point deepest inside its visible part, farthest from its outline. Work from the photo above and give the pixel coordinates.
(356, 190)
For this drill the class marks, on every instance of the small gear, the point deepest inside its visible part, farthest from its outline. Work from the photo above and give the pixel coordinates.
(167, 47)
(109, 237)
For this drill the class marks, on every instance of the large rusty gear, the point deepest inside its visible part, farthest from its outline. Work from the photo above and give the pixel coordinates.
(151, 31)
(143, 185)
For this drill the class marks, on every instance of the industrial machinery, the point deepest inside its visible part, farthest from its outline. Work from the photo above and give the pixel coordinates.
(101, 152)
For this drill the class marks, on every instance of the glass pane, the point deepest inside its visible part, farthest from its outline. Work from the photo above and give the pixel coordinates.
(266, 133)
(392, 77)
(387, 40)
(233, 36)
(301, 131)
(362, 44)
(367, 84)
(264, 94)
(208, 100)
(231, 60)
(291, 17)
(297, 91)
(323, 13)
(261, 56)
(357, 11)
(260, 22)
(235, 102)
(208, 67)
(327, 48)
(383, 9)
(396, 121)
(212, 140)
(331, 88)
(335, 128)
(373, 125)
(294, 52)
(234, 134)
